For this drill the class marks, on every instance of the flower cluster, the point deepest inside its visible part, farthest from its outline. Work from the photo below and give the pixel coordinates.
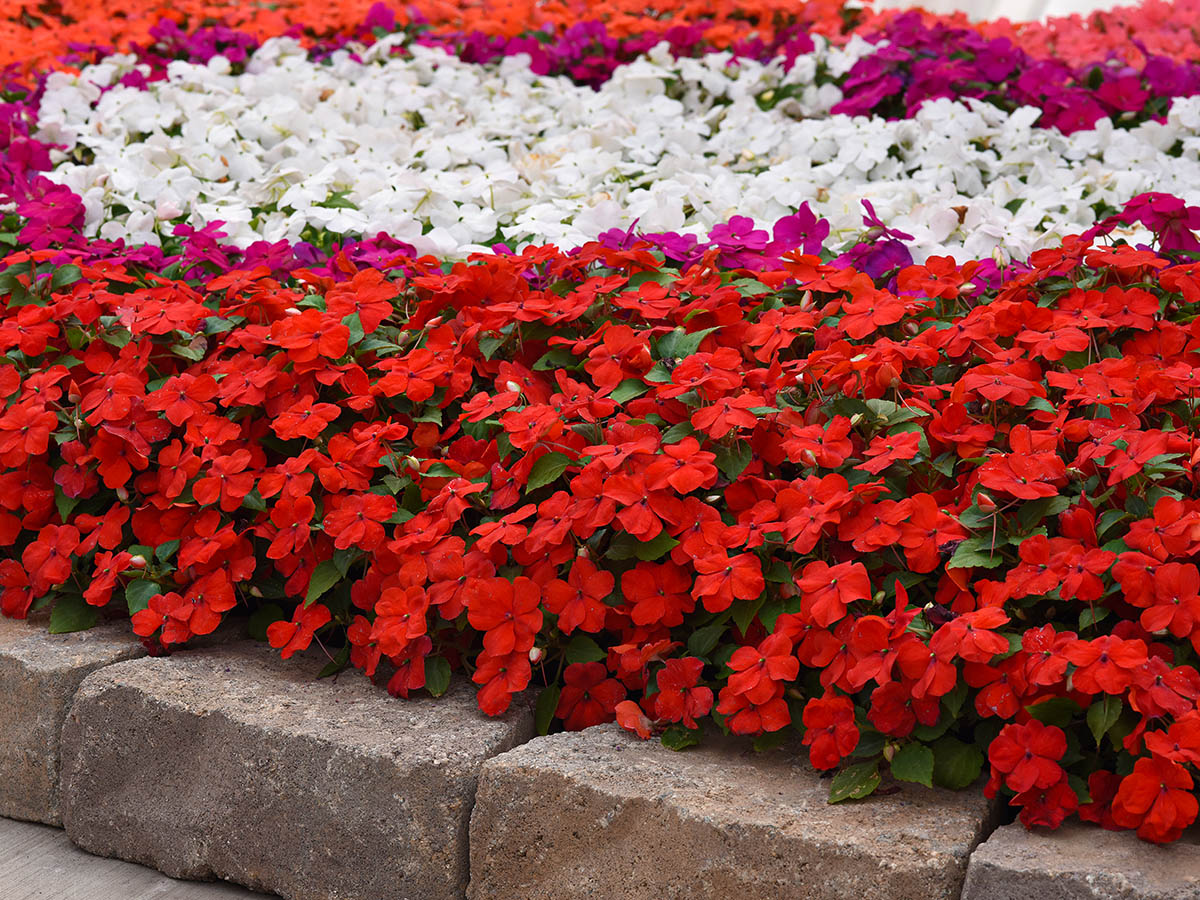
(453, 157)
(401, 335)
(910, 512)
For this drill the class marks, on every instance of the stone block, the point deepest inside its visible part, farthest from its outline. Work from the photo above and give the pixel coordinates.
(1082, 862)
(39, 674)
(238, 765)
(601, 814)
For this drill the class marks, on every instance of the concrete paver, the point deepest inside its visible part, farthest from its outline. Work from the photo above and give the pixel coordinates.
(38, 862)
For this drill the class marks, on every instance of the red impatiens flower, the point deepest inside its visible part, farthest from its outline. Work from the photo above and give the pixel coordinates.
(969, 636)
(304, 419)
(107, 566)
(679, 696)
(227, 480)
(631, 718)
(1047, 807)
(500, 677)
(889, 448)
(579, 601)
(296, 635)
(758, 670)
(1106, 664)
(589, 697)
(660, 593)
(831, 734)
(170, 612)
(826, 590)
(1156, 799)
(1026, 756)
(358, 519)
(742, 716)
(508, 614)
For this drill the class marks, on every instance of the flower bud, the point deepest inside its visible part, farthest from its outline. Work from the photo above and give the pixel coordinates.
(255, 592)
(855, 419)
(291, 311)
(889, 751)
(137, 562)
(536, 654)
(985, 502)
(122, 494)
(512, 386)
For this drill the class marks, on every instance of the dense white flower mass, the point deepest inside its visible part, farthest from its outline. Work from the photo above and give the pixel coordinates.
(452, 156)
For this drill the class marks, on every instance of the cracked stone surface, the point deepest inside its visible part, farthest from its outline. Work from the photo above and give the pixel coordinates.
(238, 765)
(599, 813)
(1082, 862)
(39, 674)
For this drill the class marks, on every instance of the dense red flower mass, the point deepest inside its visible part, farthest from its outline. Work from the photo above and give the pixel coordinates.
(925, 516)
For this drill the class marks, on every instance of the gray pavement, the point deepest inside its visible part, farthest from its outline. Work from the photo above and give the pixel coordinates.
(37, 862)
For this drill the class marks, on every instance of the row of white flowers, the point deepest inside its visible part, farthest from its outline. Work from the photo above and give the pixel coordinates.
(449, 155)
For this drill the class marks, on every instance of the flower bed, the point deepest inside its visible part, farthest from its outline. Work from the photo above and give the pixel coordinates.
(625, 396)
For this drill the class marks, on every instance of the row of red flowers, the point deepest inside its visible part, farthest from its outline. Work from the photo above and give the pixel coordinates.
(43, 34)
(916, 517)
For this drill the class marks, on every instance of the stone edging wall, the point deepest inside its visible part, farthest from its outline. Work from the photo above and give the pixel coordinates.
(230, 763)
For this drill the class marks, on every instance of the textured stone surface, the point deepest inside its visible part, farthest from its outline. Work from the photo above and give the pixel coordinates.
(1082, 862)
(235, 764)
(40, 863)
(600, 814)
(39, 674)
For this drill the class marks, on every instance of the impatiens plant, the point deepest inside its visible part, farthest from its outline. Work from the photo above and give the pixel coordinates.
(937, 520)
(673, 426)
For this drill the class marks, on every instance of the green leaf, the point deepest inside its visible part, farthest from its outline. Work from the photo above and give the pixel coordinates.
(547, 469)
(583, 649)
(72, 614)
(679, 344)
(1103, 714)
(254, 500)
(256, 625)
(854, 782)
(628, 389)
(744, 612)
(893, 413)
(440, 470)
(65, 275)
(1092, 615)
(138, 593)
(166, 550)
(1034, 511)
(555, 358)
(324, 576)
(913, 762)
(340, 660)
(648, 551)
(63, 503)
(956, 765)
(678, 738)
(437, 675)
(1055, 711)
(543, 713)
(769, 740)
(489, 344)
(344, 559)
(975, 552)
(945, 464)
(733, 461)
(354, 323)
(677, 433)
(704, 639)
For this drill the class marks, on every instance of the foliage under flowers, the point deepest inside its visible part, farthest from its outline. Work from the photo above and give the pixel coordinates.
(922, 516)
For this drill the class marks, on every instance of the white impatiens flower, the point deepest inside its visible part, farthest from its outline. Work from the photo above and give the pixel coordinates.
(451, 156)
